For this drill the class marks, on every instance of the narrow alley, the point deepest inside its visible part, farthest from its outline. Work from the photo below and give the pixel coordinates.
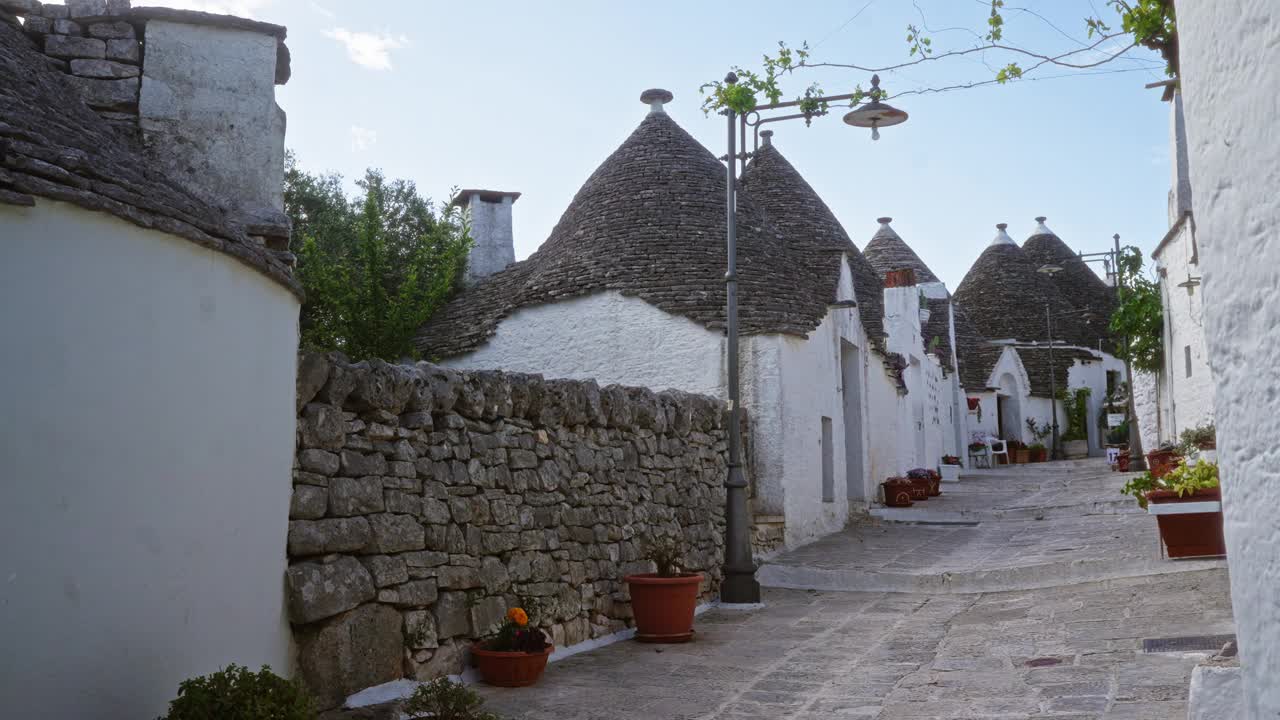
(1020, 592)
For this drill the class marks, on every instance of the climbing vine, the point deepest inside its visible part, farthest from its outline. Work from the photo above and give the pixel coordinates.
(1146, 23)
(1139, 318)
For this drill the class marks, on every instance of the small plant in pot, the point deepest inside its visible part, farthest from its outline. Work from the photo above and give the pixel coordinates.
(1075, 441)
(663, 602)
(516, 656)
(898, 492)
(1201, 441)
(1018, 452)
(1037, 450)
(1163, 459)
(950, 468)
(1185, 534)
(931, 480)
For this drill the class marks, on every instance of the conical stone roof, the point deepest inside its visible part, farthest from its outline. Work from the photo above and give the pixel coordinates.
(649, 223)
(1080, 286)
(774, 185)
(1004, 297)
(888, 252)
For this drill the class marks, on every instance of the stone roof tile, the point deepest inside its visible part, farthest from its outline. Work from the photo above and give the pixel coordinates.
(887, 252)
(648, 223)
(799, 213)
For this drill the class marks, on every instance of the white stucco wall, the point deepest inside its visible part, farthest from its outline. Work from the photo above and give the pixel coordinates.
(1188, 399)
(1231, 91)
(493, 245)
(1146, 404)
(608, 337)
(147, 437)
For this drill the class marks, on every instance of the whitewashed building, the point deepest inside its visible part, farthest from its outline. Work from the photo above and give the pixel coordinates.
(1007, 311)
(1228, 57)
(1180, 395)
(839, 386)
(150, 333)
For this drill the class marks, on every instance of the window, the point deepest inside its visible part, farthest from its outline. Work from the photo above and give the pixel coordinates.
(1186, 352)
(828, 463)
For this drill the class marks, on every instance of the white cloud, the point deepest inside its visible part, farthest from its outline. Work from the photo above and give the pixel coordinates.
(241, 8)
(321, 10)
(362, 138)
(369, 50)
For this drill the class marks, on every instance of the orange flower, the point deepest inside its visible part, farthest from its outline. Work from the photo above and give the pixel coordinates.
(518, 616)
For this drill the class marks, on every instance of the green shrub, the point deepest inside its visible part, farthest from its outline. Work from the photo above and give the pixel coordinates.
(444, 699)
(234, 693)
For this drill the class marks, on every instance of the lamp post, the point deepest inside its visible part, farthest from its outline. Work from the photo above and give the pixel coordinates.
(739, 585)
(1055, 453)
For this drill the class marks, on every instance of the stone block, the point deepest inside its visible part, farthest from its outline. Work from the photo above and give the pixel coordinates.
(487, 615)
(386, 569)
(127, 51)
(450, 612)
(20, 7)
(356, 650)
(315, 591)
(399, 501)
(67, 27)
(321, 425)
(458, 578)
(308, 502)
(358, 464)
(116, 8)
(319, 461)
(313, 369)
(118, 30)
(87, 8)
(69, 46)
(425, 558)
(420, 630)
(448, 659)
(335, 535)
(53, 12)
(355, 496)
(494, 575)
(414, 593)
(103, 69)
(396, 533)
(37, 25)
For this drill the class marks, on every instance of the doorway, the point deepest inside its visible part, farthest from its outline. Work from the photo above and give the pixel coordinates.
(851, 389)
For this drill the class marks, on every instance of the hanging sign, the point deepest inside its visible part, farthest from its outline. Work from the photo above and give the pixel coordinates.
(1115, 420)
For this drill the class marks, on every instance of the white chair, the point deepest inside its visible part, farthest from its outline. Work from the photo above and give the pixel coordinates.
(996, 447)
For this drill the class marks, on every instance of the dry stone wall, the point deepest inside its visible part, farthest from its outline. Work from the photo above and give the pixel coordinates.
(427, 501)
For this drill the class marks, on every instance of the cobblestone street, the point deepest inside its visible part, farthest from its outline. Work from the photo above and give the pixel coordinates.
(1010, 617)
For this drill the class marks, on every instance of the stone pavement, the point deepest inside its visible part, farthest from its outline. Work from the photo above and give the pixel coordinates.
(1011, 617)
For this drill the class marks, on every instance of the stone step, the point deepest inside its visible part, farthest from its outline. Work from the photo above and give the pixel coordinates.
(1028, 577)
(922, 513)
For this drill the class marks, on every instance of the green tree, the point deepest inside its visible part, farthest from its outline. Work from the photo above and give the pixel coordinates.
(1139, 317)
(375, 266)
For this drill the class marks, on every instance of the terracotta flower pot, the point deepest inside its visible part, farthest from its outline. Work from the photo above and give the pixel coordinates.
(1022, 456)
(510, 669)
(935, 484)
(1160, 462)
(1039, 454)
(663, 606)
(897, 492)
(1122, 462)
(919, 488)
(1190, 534)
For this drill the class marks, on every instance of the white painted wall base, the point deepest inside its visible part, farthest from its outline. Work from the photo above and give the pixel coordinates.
(1217, 693)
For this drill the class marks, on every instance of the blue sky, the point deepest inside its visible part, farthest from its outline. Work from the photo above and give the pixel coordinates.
(532, 97)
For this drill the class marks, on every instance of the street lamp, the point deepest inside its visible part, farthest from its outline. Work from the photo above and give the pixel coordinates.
(740, 585)
(1054, 453)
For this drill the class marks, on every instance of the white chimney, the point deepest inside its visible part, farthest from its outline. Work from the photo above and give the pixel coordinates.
(493, 246)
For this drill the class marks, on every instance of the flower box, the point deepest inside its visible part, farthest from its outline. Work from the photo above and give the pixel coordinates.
(1191, 525)
(950, 473)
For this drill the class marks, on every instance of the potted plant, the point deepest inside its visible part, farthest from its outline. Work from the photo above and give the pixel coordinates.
(663, 602)
(1037, 450)
(922, 483)
(1201, 441)
(1075, 441)
(897, 492)
(950, 468)
(1163, 459)
(516, 656)
(1018, 452)
(1187, 531)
